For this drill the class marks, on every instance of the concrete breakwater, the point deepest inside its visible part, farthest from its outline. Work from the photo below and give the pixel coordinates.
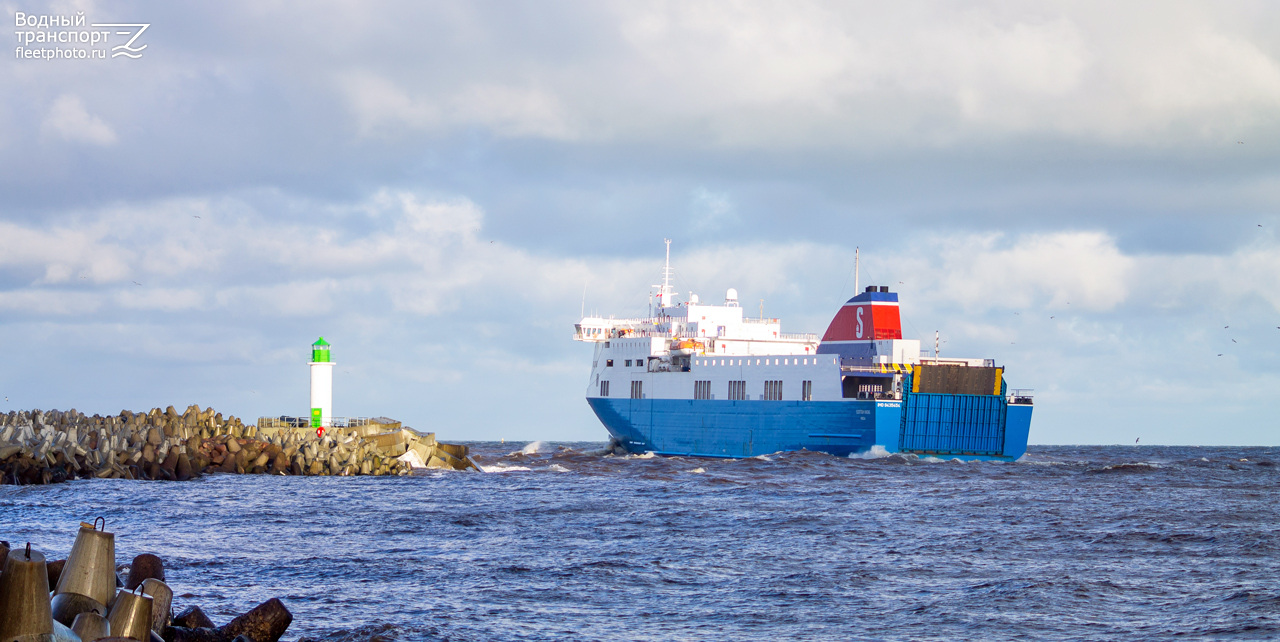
(83, 598)
(41, 447)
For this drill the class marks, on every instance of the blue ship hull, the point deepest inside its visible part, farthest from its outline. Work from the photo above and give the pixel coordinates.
(963, 426)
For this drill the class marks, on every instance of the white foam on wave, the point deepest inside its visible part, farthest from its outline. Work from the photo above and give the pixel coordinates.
(699, 469)
(648, 455)
(532, 448)
(499, 468)
(1135, 465)
(557, 468)
(876, 452)
(763, 458)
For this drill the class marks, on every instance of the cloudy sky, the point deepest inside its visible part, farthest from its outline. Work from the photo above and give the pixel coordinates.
(1086, 192)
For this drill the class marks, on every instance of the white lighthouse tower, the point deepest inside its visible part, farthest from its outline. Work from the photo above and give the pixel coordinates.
(321, 385)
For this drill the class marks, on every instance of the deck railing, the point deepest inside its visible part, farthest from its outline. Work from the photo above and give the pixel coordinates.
(1020, 395)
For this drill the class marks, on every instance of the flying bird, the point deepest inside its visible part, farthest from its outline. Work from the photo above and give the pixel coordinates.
(1219, 354)
(1234, 341)
(1225, 327)
(1137, 440)
(1050, 317)
(195, 216)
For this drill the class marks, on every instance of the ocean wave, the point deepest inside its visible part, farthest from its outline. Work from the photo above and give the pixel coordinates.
(876, 452)
(503, 468)
(1127, 467)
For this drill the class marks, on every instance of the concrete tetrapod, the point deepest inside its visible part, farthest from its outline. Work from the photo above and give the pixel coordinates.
(266, 622)
(161, 602)
(90, 627)
(131, 616)
(63, 633)
(144, 566)
(88, 580)
(24, 598)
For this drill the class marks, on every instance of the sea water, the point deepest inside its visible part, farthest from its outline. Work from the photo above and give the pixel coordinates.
(564, 542)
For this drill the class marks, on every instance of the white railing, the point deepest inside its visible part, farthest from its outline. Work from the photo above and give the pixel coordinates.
(950, 361)
(305, 422)
(807, 337)
(876, 368)
(1020, 395)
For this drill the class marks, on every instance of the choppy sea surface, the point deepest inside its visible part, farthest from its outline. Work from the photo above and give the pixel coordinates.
(562, 542)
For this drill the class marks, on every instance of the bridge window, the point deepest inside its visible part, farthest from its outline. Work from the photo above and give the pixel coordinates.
(628, 363)
(637, 390)
(604, 388)
(806, 390)
(608, 363)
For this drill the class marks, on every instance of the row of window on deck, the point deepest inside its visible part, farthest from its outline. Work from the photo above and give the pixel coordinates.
(769, 361)
(736, 391)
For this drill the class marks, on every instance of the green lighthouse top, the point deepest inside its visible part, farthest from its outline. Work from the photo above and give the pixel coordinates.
(320, 351)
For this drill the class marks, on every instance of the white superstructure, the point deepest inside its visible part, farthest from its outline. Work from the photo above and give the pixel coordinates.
(692, 350)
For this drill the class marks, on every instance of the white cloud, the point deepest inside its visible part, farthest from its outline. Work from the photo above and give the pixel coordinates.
(426, 255)
(62, 254)
(68, 119)
(711, 210)
(1081, 269)
(805, 74)
(421, 285)
(384, 108)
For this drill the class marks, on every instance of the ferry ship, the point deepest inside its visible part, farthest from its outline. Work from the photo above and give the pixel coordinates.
(703, 380)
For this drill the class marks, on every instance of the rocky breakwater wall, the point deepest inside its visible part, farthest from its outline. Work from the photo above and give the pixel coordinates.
(41, 447)
(84, 598)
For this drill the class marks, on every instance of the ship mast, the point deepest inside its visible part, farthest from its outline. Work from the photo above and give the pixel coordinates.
(855, 271)
(665, 294)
